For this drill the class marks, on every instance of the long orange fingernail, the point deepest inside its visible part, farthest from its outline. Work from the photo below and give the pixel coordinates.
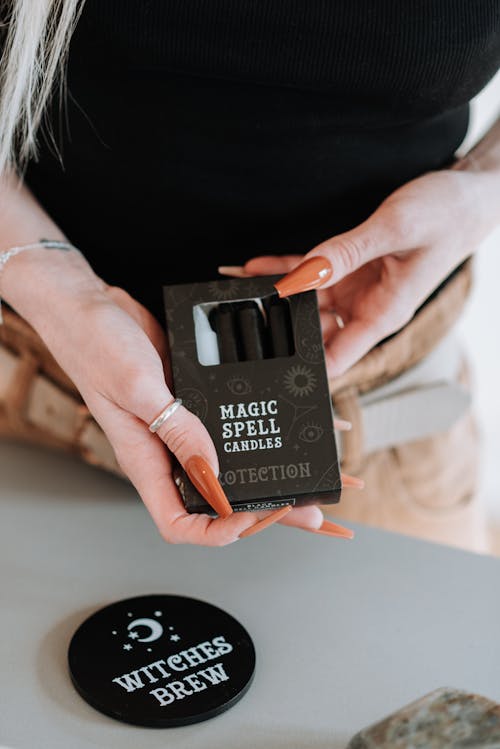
(206, 482)
(352, 481)
(261, 524)
(327, 528)
(308, 275)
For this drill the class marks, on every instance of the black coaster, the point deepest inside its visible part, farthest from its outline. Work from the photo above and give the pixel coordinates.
(161, 660)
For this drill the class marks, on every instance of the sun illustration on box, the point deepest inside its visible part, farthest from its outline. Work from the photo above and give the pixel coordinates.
(300, 381)
(146, 630)
(223, 290)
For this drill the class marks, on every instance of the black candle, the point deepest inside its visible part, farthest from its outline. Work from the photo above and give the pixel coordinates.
(251, 330)
(224, 324)
(280, 327)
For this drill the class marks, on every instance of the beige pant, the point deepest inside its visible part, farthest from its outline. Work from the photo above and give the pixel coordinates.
(426, 488)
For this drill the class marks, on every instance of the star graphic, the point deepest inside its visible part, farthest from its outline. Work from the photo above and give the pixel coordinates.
(157, 613)
(127, 646)
(175, 638)
(129, 613)
(114, 632)
(133, 635)
(170, 628)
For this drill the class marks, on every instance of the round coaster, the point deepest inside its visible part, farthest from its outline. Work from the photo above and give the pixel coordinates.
(161, 660)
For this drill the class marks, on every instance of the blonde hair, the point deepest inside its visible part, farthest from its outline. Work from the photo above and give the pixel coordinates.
(36, 40)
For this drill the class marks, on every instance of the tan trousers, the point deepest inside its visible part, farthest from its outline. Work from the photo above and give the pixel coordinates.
(426, 488)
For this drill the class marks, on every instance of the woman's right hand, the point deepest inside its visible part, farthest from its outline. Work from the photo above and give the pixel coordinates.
(115, 352)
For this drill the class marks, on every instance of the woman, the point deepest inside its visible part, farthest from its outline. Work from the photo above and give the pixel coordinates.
(237, 134)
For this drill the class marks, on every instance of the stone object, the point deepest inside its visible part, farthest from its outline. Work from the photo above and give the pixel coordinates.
(446, 718)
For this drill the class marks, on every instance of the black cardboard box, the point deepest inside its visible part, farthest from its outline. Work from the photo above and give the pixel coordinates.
(252, 368)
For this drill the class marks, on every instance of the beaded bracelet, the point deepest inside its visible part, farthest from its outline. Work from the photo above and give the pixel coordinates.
(48, 244)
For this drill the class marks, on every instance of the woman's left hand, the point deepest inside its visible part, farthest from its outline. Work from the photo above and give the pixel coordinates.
(376, 275)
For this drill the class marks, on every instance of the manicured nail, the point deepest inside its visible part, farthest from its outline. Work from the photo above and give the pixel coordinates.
(342, 425)
(327, 528)
(308, 275)
(352, 481)
(237, 271)
(277, 515)
(206, 482)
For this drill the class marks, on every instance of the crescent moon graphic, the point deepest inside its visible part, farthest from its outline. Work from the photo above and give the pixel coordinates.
(154, 626)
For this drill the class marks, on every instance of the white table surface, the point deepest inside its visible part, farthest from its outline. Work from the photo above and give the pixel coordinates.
(345, 632)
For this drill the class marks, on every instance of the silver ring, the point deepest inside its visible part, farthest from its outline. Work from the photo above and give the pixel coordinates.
(165, 414)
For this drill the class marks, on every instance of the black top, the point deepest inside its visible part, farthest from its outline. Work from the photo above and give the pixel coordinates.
(233, 128)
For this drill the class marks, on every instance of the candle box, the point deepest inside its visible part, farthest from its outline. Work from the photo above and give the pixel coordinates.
(252, 368)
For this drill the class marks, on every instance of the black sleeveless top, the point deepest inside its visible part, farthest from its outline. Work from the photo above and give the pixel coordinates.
(231, 128)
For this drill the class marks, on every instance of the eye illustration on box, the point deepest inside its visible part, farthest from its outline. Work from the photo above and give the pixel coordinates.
(311, 433)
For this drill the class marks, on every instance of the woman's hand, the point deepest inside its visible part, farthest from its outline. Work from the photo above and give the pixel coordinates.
(373, 278)
(115, 352)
